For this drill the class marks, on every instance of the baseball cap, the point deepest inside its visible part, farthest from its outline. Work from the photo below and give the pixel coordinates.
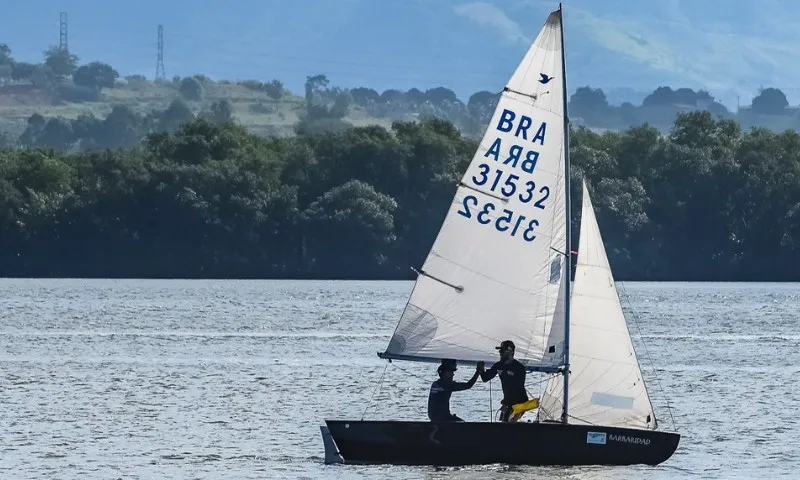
(447, 366)
(506, 344)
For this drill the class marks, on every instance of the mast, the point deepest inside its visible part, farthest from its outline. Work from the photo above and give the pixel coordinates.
(568, 248)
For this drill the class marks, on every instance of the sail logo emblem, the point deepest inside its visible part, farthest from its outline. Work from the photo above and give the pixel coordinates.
(544, 78)
(596, 438)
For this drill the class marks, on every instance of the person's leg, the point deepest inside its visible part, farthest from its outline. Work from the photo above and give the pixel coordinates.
(505, 411)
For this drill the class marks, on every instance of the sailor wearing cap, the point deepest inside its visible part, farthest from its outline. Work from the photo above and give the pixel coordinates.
(439, 397)
(512, 379)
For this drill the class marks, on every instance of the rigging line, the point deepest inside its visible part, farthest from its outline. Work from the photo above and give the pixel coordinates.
(490, 401)
(649, 358)
(377, 387)
(545, 380)
(410, 373)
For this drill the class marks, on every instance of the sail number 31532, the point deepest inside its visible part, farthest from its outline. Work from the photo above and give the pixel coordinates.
(509, 187)
(507, 222)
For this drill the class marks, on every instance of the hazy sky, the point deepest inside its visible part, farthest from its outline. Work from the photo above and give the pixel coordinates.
(729, 47)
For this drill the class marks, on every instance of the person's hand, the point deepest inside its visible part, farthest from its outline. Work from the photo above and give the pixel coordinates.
(479, 367)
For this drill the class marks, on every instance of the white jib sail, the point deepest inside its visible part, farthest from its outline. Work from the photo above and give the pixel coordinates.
(492, 273)
(606, 386)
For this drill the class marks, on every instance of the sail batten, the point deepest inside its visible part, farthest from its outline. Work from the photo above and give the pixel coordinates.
(494, 270)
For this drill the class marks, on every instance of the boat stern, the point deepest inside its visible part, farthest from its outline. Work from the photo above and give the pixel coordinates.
(332, 455)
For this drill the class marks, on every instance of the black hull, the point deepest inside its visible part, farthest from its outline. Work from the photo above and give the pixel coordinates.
(481, 443)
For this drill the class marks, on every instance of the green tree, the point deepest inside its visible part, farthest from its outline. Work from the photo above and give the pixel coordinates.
(22, 70)
(590, 104)
(440, 95)
(5, 55)
(341, 107)
(62, 63)
(364, 96)
(274, 90)
(770, 101)
(347, 226)
(5, 73)
(415, 96)
(43, 76)
(316, 86)
(191, 89)
(481, 106)
(392, 96)
(176, 114)
(220, 112)
(95, 75)
(122, 128)
(707, 200)
(661, 96)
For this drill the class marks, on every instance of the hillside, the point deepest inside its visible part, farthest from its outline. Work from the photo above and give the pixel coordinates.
(253, 109)
(269, 109)
(370, 87)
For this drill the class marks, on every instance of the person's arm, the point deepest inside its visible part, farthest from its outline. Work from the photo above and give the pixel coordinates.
(459, 386)
(489, 374)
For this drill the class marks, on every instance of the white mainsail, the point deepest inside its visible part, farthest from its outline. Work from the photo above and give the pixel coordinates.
(605, 383)
(496, 267)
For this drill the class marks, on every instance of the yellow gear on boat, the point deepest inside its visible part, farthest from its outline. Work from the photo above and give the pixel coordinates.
(520, 408)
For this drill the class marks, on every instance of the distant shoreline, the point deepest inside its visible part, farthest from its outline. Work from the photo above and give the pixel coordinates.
(347, 279)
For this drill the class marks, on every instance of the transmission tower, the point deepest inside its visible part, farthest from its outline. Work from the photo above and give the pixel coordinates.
(62, 41)
(160, 74)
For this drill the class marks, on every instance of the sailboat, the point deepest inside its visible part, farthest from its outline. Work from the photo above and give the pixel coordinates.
(499, 269)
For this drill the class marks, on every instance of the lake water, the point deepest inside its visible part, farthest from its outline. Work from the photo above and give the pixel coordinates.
(105, 379)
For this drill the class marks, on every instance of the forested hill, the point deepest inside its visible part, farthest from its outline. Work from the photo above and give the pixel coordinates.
(210, 199)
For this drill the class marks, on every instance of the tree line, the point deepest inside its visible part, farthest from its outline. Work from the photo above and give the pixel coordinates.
(770, 109)
(706, 201)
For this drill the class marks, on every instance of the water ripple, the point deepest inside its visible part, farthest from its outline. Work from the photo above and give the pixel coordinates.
(206, 379)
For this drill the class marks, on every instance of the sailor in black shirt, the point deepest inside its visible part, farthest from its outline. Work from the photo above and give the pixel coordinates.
(439, 397)
(512, 379)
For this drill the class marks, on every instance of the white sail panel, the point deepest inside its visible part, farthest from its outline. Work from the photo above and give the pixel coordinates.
(606, 386)
(492, 273)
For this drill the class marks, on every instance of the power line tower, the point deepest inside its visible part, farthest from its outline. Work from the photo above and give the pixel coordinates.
(160, 74)
(62, 41)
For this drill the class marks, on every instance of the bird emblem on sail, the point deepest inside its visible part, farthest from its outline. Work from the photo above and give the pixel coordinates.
(544, 78)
